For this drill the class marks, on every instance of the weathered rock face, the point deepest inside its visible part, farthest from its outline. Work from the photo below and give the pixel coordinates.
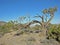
(26, 39)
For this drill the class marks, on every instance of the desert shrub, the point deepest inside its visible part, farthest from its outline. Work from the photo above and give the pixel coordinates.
(8, 27)
(54, 32)
(3, 30)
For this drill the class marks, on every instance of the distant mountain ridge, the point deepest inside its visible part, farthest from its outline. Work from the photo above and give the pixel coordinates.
(2, 23)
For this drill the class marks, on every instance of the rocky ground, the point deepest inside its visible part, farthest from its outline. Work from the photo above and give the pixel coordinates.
(26, 39)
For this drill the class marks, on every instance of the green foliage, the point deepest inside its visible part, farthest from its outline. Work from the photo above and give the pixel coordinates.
(3, 30)
(54, 32)
(6, 28)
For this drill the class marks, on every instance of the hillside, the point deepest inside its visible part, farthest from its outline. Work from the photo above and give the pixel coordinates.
(2, 23)
(26, 39)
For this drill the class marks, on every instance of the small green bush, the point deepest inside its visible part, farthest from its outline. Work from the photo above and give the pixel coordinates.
(54, 32)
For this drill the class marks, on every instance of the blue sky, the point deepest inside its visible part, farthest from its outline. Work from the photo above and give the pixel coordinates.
(12, 9)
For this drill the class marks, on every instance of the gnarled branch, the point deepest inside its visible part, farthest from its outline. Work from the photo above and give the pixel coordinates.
(34, 21)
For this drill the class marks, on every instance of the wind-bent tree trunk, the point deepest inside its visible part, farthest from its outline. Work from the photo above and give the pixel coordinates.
(45, 24)
(45, 21)
(50, 13)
